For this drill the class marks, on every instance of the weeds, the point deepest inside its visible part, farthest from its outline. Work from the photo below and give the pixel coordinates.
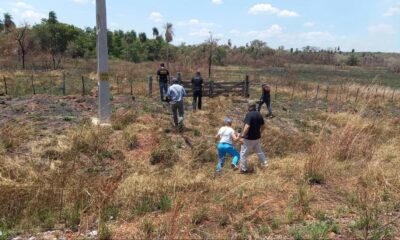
(200, 216)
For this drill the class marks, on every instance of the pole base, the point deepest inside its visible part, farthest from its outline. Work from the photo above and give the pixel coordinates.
(96, 121)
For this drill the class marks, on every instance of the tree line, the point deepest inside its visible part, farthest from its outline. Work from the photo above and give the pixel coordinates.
(51, 41)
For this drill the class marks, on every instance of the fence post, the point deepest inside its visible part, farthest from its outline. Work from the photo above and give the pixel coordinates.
(358, 90)
(367, 96)
(393, 95)
(327, 92)
(83, 85)
(179, 77)
(276, 90)
(63, 86)
(131, 83)
(348, 92)
(246, 87)
(316, 95)
(383, 95)
(5, 85)
(33, 86)
(211, 91)
(117, 80)
(292, 94)
(150, 86)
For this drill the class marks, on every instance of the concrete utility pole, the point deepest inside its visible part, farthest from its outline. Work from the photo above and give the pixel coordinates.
(102, 63)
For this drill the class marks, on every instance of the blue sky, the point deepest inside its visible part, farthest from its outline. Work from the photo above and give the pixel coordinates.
(365, 25)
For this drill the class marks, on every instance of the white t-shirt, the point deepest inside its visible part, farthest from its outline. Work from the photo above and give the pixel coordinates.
(225, 133)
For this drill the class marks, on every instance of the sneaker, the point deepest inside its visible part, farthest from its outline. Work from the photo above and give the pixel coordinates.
(234, 167)
(264, 166)
(243, 171)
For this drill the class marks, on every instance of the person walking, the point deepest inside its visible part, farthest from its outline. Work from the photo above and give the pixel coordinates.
(265, 98)
(226, 136)
(250, 137)
(175, 96)
(197, 89)
(163, 80)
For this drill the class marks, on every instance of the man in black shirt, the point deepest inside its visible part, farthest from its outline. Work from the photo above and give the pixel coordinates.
(266, 98)
(163, 80)
(250, 137)
(197, 88)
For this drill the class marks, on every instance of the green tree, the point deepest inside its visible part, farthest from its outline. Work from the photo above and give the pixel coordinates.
(155, 32)
(8, 23)
(169, 36)
(142, 37)
(54, 37)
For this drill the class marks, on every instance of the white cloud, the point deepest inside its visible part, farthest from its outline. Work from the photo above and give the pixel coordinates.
(83, 1)
(393, 10)
(205, 32)
(234, 32)
(309, 24)
(217, 2)
(273, 31)
(156, 17)
(382, 29)
(195, 23)
(23, 5)
(24, 12)
(269, 9)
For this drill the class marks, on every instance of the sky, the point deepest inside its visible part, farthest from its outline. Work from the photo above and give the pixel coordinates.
(363, 25)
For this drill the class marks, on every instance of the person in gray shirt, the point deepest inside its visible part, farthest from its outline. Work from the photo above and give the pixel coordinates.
(175, 96)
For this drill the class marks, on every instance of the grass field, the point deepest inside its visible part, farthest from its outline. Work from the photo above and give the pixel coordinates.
(333, 168)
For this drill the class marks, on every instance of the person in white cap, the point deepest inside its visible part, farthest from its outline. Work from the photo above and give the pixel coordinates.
(226, 135)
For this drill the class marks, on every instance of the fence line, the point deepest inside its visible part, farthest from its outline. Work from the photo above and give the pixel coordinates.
(72, 84)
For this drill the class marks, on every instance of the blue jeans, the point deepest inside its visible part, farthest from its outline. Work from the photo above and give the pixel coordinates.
(268, 103)
(223, 149)
(163, 89)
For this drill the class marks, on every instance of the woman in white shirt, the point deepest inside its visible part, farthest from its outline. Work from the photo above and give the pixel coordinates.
(226, 135)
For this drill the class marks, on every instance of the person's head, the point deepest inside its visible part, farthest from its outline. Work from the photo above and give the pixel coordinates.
(252, 106)
(266, 87)
(174, 81)
(198, 73)
(228, 121)
(162, 65)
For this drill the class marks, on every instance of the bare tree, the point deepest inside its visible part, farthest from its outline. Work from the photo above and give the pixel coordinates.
(22, 39)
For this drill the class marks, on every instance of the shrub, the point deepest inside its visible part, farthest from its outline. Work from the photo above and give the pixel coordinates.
(122, 118)
(130, 139)
(104, 232)
(165, 155)
(200, 216)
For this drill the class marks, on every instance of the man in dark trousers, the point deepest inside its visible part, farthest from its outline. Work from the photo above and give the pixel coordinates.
(163, 80)
(265, 98)
(197, 88)
(250, 137)
(174, 96)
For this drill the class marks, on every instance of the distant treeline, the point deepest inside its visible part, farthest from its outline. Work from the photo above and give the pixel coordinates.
(44, 45)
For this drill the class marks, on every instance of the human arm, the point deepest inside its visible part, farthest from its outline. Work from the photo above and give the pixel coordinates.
(245, 130)
(183, 92)
(235, 136)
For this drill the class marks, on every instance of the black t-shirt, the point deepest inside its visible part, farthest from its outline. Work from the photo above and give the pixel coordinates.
(266, 96)
(163, 75)
(197, 83)
(255, 120)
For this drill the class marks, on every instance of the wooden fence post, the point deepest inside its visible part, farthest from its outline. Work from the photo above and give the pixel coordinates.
(33, 86)
(211, 91)
(5, 85)
(118, 85)
(292, 95)
(64, 84)
(83, 85)
(179, 77)
(316, 95)
(358, 90)
(246, 87)
(383, 94)
(393, 95)
(367, 96)
(276, 90)
(327, 92)
(150, 86)
(131, 83)
(348, 92)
